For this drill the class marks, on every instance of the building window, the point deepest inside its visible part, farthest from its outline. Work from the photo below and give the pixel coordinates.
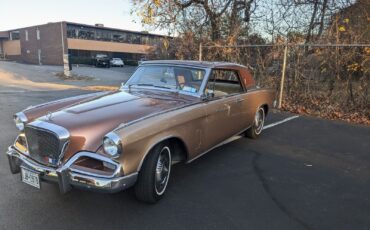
(14, 35)
(26, 34)
(71, 33)
(38, 34)
(86, 34)
(104, 34)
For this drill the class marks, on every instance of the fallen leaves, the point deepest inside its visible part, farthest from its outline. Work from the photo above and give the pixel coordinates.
(323, 107)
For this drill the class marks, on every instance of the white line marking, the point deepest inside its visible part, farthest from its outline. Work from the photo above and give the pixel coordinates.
(280, 122)
(234, 138)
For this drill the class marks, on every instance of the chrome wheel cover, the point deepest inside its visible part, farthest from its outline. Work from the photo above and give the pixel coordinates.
(162, 170)
(259, 121)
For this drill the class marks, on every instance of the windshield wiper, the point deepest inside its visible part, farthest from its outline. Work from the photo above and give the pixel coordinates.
(146, 84)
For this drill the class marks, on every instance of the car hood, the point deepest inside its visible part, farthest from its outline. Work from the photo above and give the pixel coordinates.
(89, 121)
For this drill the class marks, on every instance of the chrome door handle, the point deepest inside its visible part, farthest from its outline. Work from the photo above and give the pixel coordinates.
(221, 110)
(239, 100)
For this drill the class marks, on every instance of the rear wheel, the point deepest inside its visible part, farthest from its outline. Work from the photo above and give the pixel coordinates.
(257, 127)
(154, 174)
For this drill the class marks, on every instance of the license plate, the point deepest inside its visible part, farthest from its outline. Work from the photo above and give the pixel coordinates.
(30, 178)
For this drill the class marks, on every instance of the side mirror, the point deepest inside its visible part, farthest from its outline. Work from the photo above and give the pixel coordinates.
(209, 95)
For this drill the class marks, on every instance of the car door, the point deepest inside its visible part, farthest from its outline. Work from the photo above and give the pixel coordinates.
(224, 106)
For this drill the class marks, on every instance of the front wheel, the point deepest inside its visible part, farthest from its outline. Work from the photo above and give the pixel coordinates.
(257, 127)
(154, 174)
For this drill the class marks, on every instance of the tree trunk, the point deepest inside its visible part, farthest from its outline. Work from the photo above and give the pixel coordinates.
(323, 11)
(215, 30)
(312, 22)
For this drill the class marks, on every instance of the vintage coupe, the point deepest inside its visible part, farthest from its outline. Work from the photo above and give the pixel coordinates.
(167, 112)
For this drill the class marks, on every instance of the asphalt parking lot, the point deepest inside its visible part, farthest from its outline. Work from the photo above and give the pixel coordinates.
(34, 77)
(306, 173)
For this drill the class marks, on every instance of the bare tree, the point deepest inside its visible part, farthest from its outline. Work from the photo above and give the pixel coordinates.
(209, 15)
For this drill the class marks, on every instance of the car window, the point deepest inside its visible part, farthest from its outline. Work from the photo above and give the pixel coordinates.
(223, 83)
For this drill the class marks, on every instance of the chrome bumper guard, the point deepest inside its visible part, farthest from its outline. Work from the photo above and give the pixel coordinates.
(69, 177)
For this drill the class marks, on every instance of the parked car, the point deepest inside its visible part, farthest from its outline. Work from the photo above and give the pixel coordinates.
(101, 60)
(167, 112)
(117, 62)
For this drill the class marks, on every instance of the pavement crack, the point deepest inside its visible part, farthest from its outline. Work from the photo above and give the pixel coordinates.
(272, 196)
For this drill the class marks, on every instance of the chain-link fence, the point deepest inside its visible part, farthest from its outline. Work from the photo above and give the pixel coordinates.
(329, 80)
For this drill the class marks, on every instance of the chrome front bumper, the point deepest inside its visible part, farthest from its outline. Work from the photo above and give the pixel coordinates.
(67, 176)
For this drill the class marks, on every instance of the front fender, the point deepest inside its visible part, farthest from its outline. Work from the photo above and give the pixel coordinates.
(138, 139)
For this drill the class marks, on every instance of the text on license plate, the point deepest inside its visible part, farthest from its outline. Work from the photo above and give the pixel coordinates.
(30, 178)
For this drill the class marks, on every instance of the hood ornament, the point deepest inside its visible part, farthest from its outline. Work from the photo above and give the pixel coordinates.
(49, 115)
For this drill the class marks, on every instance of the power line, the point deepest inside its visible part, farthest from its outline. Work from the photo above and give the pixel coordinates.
(292, 45)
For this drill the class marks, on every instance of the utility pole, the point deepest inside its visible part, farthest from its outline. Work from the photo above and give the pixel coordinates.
(67, 70)
(283, 76)
(200, 51)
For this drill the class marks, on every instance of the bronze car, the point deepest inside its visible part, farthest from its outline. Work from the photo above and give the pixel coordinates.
(167, 112)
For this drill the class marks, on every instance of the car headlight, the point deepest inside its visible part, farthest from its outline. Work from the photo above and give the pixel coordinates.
(112, 145)
(20, 119)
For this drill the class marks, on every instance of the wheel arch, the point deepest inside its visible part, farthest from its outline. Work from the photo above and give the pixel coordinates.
(178, 146)
(265, 108)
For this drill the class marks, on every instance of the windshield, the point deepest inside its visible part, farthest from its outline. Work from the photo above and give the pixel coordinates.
(171, 77)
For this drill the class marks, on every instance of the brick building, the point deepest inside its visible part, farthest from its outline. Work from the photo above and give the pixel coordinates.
(46, 44)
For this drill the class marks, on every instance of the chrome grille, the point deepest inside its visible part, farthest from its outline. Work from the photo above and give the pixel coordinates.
(44, 145)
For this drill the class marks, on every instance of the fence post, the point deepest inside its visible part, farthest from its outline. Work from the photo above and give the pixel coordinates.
(283, 76)
(200, 51)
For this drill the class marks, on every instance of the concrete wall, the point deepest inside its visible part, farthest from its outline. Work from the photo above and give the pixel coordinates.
(80, 44)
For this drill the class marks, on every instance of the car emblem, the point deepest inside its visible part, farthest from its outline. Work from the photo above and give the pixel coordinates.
(49, 115)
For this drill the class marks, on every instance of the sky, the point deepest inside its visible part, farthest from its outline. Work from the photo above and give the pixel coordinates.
(112, 13)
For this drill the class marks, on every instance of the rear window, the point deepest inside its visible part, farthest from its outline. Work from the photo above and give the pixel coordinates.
(224, 82)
